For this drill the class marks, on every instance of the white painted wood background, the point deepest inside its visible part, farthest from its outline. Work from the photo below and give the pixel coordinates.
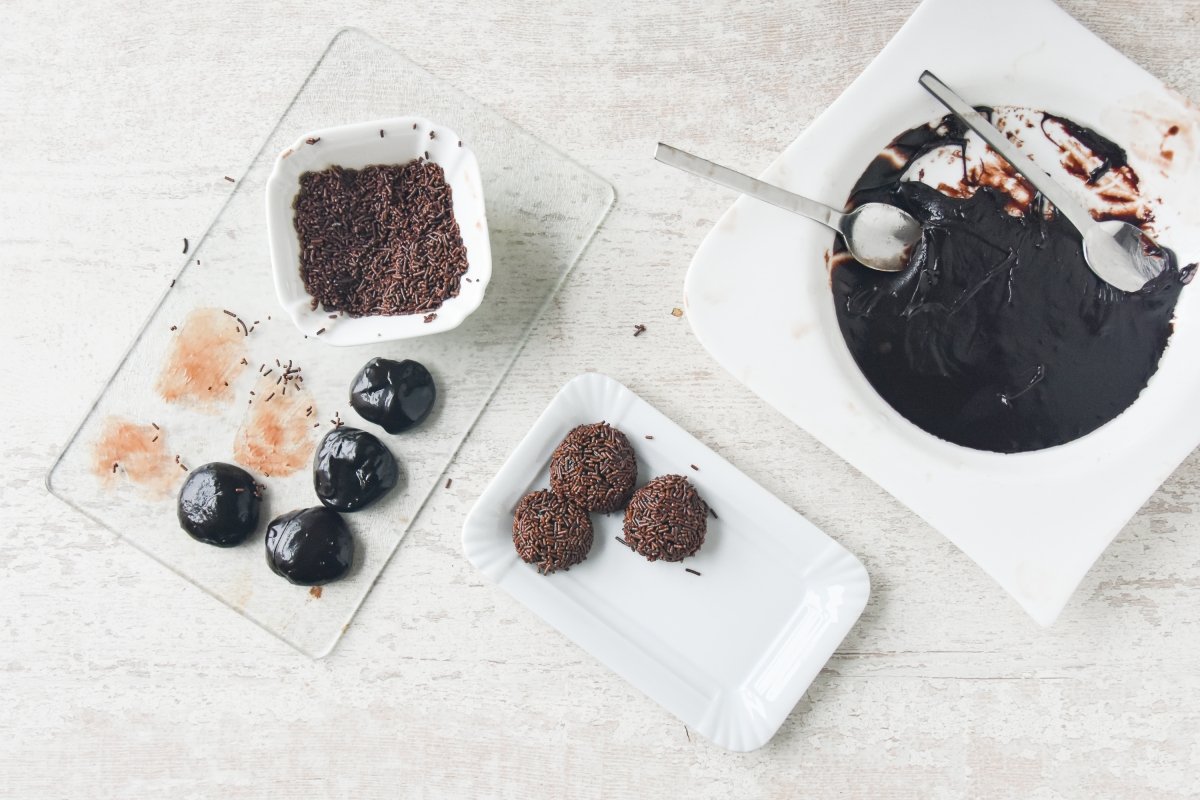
(117, 122)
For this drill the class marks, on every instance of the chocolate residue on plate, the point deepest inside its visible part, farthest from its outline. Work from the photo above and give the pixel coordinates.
(205, 355)
(275, 437)
(139, 451)
(998, 336)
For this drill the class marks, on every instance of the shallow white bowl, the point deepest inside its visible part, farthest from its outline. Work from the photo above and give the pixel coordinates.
(357, 146)
(1035, 521)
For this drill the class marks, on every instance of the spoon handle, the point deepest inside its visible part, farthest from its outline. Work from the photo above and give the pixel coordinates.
(753, 187)
(1050, 189)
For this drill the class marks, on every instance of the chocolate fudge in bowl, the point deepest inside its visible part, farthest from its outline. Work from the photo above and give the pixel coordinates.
(998, 336)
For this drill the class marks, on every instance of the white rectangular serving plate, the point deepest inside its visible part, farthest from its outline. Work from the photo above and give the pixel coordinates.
(729, 651)
(1035, 522)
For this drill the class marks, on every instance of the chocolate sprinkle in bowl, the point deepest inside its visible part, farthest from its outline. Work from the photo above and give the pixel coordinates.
(376, 238)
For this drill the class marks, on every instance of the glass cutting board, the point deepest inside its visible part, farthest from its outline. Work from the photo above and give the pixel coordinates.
(162, 414)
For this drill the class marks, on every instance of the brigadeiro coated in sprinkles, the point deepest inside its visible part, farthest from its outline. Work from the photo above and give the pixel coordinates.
(551, 531)
(666, 519)
(596, 467)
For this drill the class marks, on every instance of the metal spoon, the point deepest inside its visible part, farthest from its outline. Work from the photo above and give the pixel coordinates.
(878, 235)
(1119, 253)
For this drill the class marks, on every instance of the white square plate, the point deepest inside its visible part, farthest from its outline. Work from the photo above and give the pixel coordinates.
(1034, 521)
(729, 651)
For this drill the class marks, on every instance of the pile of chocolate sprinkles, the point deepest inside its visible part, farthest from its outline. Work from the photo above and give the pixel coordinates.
(595, 466)
(666, 519)
(551, 531)
(380, 241)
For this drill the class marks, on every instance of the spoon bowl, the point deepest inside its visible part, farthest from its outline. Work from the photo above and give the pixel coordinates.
(1123, 254)
(880, 236)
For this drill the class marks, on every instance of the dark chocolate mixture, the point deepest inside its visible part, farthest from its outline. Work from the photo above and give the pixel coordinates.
(998, 336)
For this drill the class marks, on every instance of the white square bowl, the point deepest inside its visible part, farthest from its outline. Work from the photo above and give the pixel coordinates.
(729, 651)
(354, 147)
(1035, 521)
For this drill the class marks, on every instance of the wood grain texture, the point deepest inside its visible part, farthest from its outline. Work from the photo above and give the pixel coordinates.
(117, 123)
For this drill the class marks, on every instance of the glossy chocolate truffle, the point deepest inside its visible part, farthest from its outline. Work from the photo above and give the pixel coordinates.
(395, 395)
(219, 504)
(595, 466)
(309, 546)
(666, 519)
(352, 469)
(551, 531)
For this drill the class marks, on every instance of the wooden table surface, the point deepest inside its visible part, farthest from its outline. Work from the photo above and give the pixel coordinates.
(117, 123)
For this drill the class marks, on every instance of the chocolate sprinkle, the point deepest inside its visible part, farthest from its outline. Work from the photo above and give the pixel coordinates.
(312, 140)
(185, 245)
(595, 466)
(379, 241)
(666, 519)
(551, 531)
(231, 180)
(638, 330)
(689, 569)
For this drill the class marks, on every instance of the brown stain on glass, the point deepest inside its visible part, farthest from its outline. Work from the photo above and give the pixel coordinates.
(140, 454)
(276, 435)
(204, 357)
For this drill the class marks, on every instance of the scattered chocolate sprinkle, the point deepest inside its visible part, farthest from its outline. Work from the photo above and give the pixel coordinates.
(333, 316)
(172, 286)
(676, 312)
(595, 466)
(448, 482)
(155, 426)
(648, 436)
(638, 330)
(551, 531)
(693, 466)
(227, 312)
(312, 140)
(245, 362)
(320, 332)
(460, 142)
(114, 468)
(183, 467)
(431, 136)
(713, 511)
(380, 241)
(155, 439)
(174, 327)
(245, 330)
(414, 126)
(185, 245)
(231, 180)
(381, 133)
(426, 155)
(176, 458)
(689, 569)
(268, 372)
(272, 394)
(622, 541)
(430, 317)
